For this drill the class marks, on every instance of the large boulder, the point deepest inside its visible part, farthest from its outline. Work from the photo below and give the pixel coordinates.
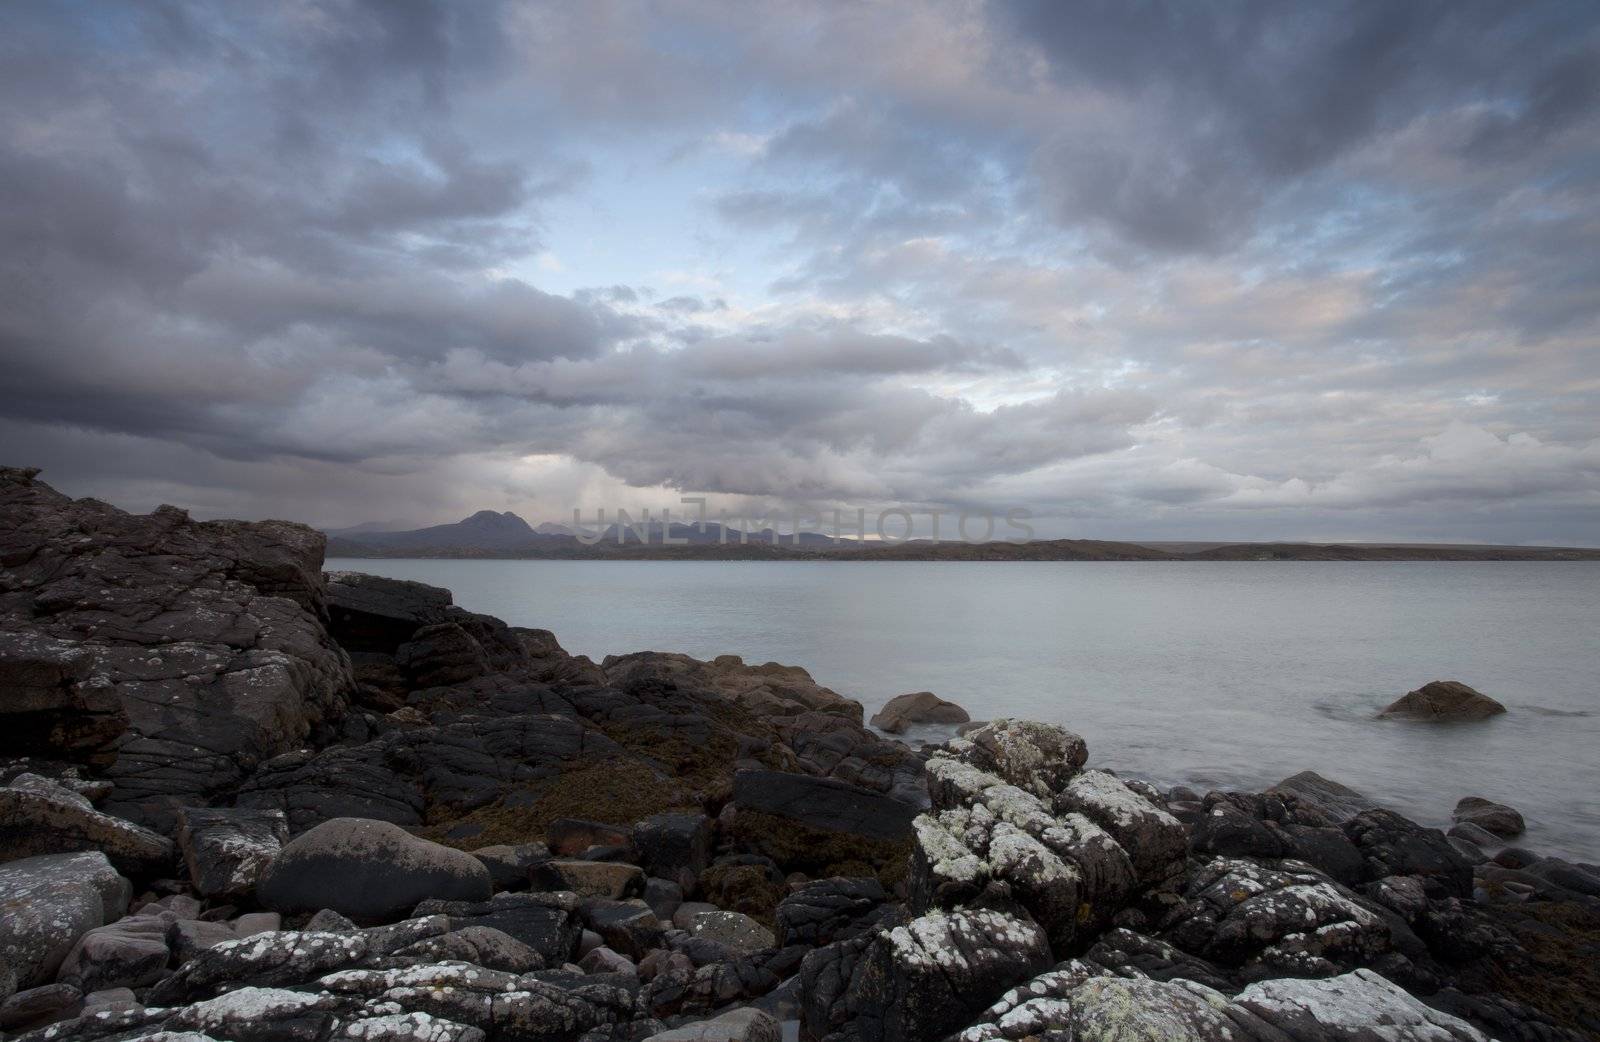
(44, 818)
(48, 902)
(1156, 842)
(1041, 758)
(226, 849)
(1444, 700)
(371, 871)
(675, 846)
(919, 707)
(205, 637)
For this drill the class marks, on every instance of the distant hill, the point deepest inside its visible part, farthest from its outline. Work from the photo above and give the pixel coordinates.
(505, 535)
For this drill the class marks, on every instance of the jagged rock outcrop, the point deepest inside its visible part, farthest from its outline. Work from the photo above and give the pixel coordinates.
(206, 638)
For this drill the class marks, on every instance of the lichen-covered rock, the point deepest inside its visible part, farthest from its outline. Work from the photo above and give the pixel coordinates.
(1290, 920)
(1155, 841)
(371, 871)
(1355, 1007)
(48, 902)
(52, 820)
(480, 945)
(227, 849)
(1040, 758)
(915, 982)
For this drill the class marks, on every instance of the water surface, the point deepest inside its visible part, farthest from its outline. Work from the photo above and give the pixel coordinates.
(1223, 674)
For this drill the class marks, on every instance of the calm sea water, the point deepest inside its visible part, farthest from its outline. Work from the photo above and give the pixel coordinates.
(1210, 674)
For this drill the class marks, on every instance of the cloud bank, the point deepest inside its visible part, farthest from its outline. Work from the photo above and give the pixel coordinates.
(1247, 270)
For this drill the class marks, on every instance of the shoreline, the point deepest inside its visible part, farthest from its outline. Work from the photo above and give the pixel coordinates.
(241, 791)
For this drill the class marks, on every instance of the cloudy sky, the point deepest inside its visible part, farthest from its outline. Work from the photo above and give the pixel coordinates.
(1232, 270)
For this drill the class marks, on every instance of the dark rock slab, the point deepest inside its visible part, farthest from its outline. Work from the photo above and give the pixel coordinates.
(226, 849)
(823, 803)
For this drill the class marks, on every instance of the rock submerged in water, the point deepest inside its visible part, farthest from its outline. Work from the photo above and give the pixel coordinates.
(919, 707)
(1443, 700)
(1494, 818)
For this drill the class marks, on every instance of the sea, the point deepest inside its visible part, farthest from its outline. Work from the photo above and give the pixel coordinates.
(1228, 675)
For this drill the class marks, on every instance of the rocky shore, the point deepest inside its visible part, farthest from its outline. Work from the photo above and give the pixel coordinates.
(242, 800)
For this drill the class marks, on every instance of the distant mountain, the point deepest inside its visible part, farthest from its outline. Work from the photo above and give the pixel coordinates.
(485, 530)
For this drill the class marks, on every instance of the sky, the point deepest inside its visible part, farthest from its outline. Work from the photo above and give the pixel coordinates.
(1247, 270)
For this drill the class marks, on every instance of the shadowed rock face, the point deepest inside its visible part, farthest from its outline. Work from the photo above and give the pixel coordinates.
(196, 649)
(1442, 701)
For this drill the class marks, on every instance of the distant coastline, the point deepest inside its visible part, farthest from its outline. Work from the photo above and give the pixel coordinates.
(568, 548)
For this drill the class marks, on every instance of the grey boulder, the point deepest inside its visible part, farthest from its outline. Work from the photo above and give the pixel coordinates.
(50, 819)
(48, 902)
(370, 871)
(918, 707)
(227, 849)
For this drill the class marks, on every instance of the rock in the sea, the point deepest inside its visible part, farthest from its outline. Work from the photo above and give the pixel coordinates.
(371, 871)
(49, 819)
(1495, 818)
(226, 849)
(919, 707)
(739, 1025)
(1444, 700)
(48, 902)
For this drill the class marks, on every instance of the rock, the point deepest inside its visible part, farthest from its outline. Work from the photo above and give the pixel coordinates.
(827, 910)
(110, 1000)
(371, 871)
(1495, 818)
(1338, 803)
(47, 903)
(917, 981)
(371, 613)
(629, 927)
(130, 953)
(1444, 700)
(1274, 921)
(204, 637)
(440, 655)
(1567, 876)
(591, 878)
(675, 846)
(1355, 1007)
(753, 887)
(329, 921)
(739, 1025)
(35, 1005)
(920, 707)
(8, 980)
(822, 803)
(569, 837)
(509, 865)
(57, 821)
(188, 937)
(663, 896)
(547, 923)
(54, 701)
(227, 849)
(480, 945)
(1155, 841)
(604, 960)
(1039, 758)
(1474, 834)
(685, 915)
(733, 930)
(1396, 846)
